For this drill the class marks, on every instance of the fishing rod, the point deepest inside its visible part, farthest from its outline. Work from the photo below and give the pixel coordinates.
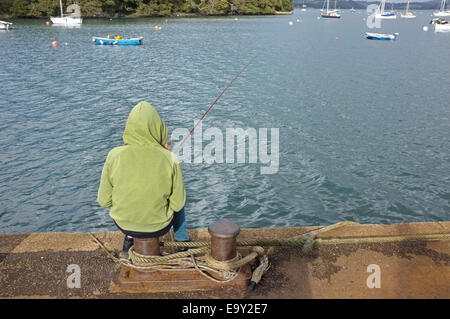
(214, 103)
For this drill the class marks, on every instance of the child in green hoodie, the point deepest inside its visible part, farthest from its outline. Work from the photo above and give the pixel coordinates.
(142, 181)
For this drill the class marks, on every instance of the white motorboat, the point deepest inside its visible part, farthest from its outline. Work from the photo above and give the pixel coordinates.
(440, 25)
(4, 25)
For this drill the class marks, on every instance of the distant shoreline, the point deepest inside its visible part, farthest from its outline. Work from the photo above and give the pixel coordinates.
(172, 15)
(194, 15)
(186, 15)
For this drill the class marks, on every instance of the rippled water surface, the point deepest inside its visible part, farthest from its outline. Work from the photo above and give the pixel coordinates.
(364, 125)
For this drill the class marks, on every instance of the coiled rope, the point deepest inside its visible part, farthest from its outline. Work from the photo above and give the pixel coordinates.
(226, 270)
(206, 264)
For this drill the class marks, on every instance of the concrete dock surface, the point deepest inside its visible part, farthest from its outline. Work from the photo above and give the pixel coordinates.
(409, 260)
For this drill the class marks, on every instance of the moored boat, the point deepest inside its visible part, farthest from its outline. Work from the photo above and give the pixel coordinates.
(408, 14)
(440, 25)
(442, 11)
(386, 15)
(118, 40)
(331, 14)
(381, 14)
(66, 20)
(4, 25)
(381, 36)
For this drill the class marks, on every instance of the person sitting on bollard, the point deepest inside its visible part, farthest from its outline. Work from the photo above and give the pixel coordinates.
(142, 181)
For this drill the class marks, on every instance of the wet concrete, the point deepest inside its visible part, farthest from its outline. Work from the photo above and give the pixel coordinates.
(35, 265)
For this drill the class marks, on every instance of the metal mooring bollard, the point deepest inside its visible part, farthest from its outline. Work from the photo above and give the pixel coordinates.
(147, 247)
(223, 239)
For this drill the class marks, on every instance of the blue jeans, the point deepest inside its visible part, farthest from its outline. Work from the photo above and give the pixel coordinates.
(179, 226)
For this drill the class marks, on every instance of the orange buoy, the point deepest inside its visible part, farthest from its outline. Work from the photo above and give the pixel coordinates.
(55, 43)
(47, 23)
(156, 27)
(167, 20)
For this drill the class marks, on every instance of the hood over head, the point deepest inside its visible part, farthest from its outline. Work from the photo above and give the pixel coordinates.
(145, 126)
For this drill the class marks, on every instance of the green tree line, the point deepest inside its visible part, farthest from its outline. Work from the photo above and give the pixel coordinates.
(122, 8)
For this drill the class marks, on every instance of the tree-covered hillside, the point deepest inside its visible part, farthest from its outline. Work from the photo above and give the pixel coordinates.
(121, 8)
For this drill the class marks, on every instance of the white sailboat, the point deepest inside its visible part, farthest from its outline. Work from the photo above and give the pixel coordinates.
(381, 14)
(332, 14)
(303, 6)
(66, 20)
(408, 14)
(442, 11)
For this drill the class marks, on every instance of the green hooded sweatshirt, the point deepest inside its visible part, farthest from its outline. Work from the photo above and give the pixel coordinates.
(142, 181)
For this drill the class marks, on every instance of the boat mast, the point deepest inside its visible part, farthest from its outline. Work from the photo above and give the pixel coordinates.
(328, 6)
(60, 5)
(407, 7)
(382, 6)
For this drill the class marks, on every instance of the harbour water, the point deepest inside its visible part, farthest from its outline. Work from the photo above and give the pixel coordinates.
(364, 125)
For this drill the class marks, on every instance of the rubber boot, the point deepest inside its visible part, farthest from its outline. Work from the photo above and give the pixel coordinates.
(127, 243)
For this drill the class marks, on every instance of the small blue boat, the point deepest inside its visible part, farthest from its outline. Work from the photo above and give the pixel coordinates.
(118, 41)
(381, 36)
